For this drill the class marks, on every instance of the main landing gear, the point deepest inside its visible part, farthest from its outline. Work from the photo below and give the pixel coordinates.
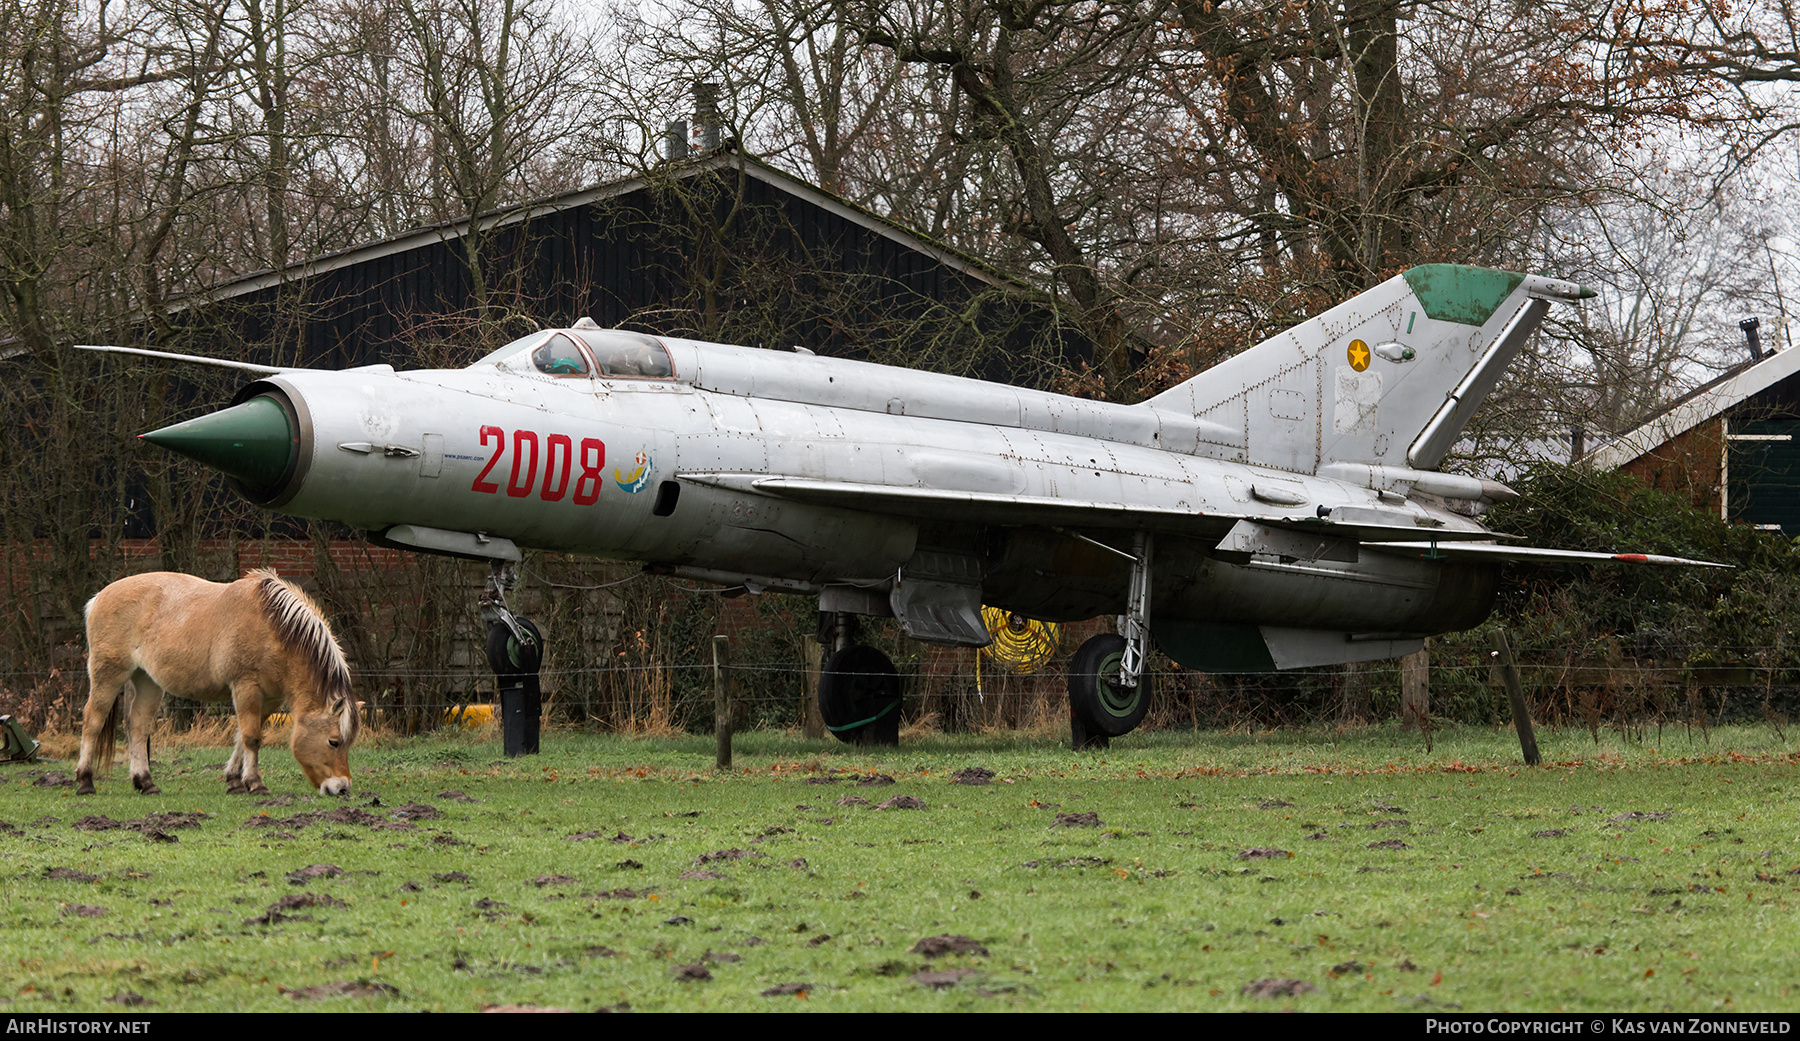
(1108, 694)
(515, 651)
(859, 691)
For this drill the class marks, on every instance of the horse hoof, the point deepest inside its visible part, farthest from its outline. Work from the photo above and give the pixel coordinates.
(85, 788)
(259, 789)
(235, 788)
(149, 788)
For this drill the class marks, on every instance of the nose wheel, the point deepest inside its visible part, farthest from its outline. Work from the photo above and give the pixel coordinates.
(859, 691)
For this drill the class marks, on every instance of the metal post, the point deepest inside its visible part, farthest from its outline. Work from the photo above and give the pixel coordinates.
(1515, 693)
(721, 703)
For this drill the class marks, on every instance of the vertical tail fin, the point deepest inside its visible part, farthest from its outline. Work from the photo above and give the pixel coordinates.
(1388, 378)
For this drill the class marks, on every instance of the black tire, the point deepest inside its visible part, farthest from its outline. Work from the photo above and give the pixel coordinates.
(508, 657)
(859, 697)
(1095, 696)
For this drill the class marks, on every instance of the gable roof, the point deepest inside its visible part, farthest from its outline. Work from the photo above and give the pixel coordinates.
(728, 157)
(1696, 408)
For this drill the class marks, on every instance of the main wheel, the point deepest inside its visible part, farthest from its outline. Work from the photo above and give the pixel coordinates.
(1095, 696)
(859, 697)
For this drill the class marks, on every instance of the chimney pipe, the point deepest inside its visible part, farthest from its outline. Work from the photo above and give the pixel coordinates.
(706, 114)
(1751, 339)
(678, 139)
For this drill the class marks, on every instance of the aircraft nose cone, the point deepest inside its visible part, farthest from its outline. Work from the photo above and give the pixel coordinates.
(254, 442)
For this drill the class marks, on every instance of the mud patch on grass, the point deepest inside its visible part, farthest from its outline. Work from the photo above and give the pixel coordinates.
(1277, 988)
(939, 980)
(728, 855)
(342, 989)
(457, 795)
(902, 802)
(129, 999)
(875, 781)
(417, 811)
(84, 910)
(696, 972)
(784, 990)
(1389, 844)
(69, 874)
(450, 876)
(278, 911)
(1090, 819)
(342, 815)
(973, 775)
(552, 880)
(1264, 853)
(947, 943)
(853, 800)
(1072, 862)
(306, 874)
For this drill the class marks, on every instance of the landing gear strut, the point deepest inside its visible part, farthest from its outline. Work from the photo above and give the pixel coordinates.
(859, 690)
(515, 651)
(1108, 695)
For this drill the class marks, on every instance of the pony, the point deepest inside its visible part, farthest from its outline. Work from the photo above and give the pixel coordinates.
(255, 642)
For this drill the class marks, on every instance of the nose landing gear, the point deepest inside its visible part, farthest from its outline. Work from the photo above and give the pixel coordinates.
(859, 690)
(515, 651)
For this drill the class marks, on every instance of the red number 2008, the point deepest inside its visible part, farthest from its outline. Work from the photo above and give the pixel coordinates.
(558, 456)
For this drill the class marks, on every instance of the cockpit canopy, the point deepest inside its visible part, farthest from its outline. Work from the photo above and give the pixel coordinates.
(586, 350)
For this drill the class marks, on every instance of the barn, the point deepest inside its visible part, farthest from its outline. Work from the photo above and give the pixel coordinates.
(1729, 446)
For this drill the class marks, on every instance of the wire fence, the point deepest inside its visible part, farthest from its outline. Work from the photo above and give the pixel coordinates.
(958, 689)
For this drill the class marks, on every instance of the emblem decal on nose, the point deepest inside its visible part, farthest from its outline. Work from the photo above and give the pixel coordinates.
(636, 480)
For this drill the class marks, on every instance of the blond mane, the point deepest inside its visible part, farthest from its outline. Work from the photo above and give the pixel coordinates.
(300, 625)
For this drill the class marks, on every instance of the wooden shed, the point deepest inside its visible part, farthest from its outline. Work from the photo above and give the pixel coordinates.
(1729, 446)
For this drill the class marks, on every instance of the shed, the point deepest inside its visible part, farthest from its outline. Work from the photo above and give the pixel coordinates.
(1729, 446)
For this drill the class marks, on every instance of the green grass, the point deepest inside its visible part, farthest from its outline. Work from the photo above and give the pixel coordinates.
(1517, 889)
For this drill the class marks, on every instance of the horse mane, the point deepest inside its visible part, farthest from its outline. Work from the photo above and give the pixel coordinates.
(301, 626)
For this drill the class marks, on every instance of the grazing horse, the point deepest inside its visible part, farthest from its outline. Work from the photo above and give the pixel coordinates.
(256, 642)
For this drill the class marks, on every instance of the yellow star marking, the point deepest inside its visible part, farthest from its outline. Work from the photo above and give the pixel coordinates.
(1359, 355)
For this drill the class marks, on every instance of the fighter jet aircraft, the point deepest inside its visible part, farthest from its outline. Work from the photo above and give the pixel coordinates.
(1279, 510)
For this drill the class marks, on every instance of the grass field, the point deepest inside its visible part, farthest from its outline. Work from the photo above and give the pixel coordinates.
(1174, 871)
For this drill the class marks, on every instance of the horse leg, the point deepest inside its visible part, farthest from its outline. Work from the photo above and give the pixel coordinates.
(248, 699)
(145, 700)
(99, 721)
(234, 767)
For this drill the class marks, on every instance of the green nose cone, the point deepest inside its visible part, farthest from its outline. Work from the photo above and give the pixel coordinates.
(253, 442)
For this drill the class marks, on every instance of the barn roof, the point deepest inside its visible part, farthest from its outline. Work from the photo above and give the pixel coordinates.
(1720, 395)
(726, 158)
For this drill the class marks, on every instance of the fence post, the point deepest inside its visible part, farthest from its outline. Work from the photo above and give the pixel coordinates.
(812, 725)
(1415, 689)
(1515, 693)
(721, 703)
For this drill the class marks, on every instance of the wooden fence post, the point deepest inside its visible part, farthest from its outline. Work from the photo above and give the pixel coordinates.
(1515, 693)
(812, 725)
(1415, 689)
(721, 702)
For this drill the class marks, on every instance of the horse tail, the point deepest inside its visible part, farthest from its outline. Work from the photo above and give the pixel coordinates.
(107, 739)
(302, 628)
